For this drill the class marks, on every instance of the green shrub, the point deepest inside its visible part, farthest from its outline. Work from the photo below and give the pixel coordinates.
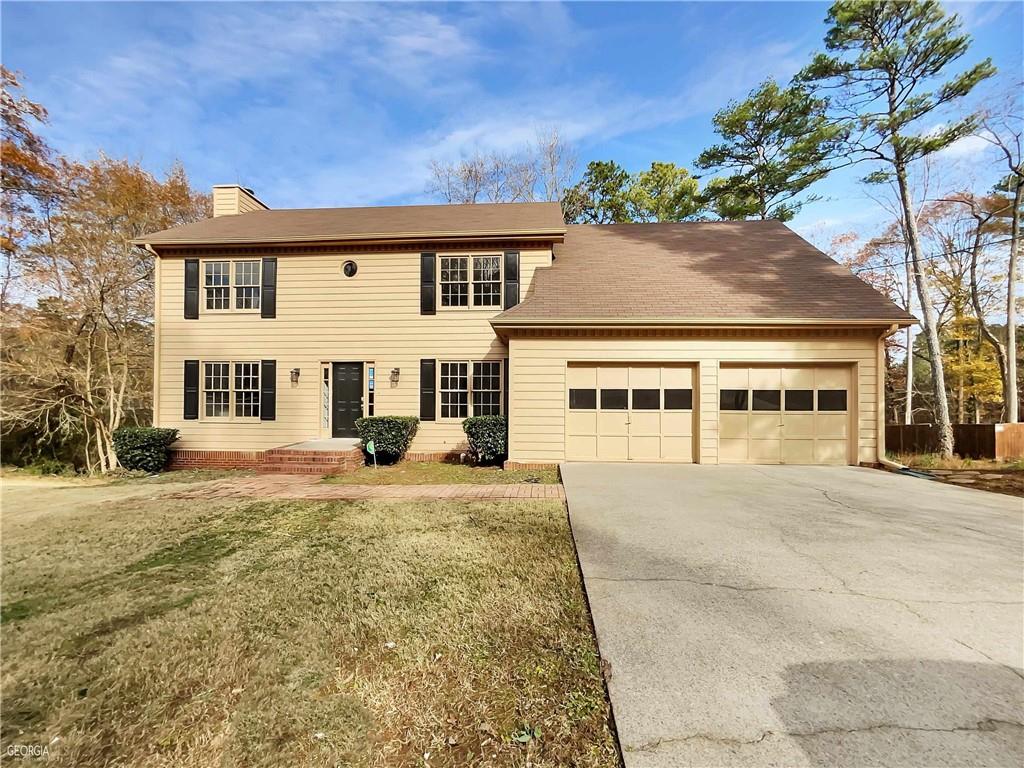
(488, 438)
(43, 465)
(391, 435)
(143, 448)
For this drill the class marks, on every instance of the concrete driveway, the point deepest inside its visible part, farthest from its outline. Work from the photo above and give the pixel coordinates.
(824, 616)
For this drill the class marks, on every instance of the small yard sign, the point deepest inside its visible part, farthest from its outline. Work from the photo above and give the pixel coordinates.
(370, 450)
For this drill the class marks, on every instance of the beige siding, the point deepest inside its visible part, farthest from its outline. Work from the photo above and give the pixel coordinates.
(229, 200)
(539, 362)
(322, 316)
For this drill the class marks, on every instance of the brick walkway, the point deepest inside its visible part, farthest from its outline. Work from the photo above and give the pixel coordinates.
(305, 487)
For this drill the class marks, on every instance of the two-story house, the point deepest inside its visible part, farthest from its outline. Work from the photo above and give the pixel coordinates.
(693, 342)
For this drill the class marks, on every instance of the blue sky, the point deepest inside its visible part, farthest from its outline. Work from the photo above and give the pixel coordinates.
(346, 104)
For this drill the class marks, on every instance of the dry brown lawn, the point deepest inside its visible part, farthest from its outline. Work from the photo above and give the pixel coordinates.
(439, 473)
(146, 631)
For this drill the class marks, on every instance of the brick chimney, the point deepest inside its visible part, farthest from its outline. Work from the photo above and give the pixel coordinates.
(229, 199)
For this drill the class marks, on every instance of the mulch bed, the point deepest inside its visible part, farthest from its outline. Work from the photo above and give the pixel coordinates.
(1010, 482)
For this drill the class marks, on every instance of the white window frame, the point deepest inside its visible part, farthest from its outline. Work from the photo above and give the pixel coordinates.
(231, 390)
(206, 389)
(499, 391)
(470, 294)
(232, 286)
(501, 361)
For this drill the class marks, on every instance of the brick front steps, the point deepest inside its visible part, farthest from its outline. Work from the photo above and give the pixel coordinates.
(299, 462)
(274, 461)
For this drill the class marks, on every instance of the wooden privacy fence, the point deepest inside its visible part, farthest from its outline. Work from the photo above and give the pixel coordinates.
(976, 441)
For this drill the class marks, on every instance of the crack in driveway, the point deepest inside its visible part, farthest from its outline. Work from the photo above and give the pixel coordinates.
(847, 593)
(984, 726)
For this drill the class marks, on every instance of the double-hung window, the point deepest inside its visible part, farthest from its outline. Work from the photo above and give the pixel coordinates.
(486, 281)
(232, 284)
(217, 390)
(217, 281)
(454, 281)
(470, 386)
(231, 390)
(487, 388)
(454, 390)
(247, 285)
(470, 281)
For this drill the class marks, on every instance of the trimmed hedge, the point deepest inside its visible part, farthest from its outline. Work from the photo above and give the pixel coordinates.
(391, 435)
(143, 448)
(488, 438)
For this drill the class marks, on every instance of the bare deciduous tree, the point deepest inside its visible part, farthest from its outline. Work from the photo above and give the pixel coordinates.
(1002, 125)
(540, 171)
(79, 357)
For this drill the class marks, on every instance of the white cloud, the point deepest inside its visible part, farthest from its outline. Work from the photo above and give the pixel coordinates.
(977, 14)
(969, 147)
(344, 104)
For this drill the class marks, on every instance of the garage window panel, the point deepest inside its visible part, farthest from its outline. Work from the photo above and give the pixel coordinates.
(799, 399)
(582, 399)
(733, 399)
(614, 399)
(646, 399)
(831, 399)
(766, 400)
(678, 399)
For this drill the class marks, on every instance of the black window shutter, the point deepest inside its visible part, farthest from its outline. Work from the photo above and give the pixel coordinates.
(268, 390)
(191, 290)
(191, 410)
(511, 279)
(428, 383)
(268, 288)
(505, 368)
(428, 299)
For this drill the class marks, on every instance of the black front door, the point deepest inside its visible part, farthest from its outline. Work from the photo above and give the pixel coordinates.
(346, 399)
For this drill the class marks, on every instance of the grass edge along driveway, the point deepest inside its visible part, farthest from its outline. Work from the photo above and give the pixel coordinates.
(156, 632)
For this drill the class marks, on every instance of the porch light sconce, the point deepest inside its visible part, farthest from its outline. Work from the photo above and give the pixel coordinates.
(295, 375)
(394, 375)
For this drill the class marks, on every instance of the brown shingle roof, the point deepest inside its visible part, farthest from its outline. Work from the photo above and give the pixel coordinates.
(303, 225)
(695, 272)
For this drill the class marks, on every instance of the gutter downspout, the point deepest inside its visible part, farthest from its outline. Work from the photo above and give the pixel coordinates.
(886, 462)
(156, 333)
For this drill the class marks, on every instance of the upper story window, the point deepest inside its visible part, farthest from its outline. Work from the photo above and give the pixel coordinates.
(487, 281)
(217, 281)
(221, 279)
(247, 285)
(458, 274)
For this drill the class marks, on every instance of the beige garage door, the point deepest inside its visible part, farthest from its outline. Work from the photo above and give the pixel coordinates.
(790, 415)
(629, 412)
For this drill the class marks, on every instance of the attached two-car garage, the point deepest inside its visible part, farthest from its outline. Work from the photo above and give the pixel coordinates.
(767, 414)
